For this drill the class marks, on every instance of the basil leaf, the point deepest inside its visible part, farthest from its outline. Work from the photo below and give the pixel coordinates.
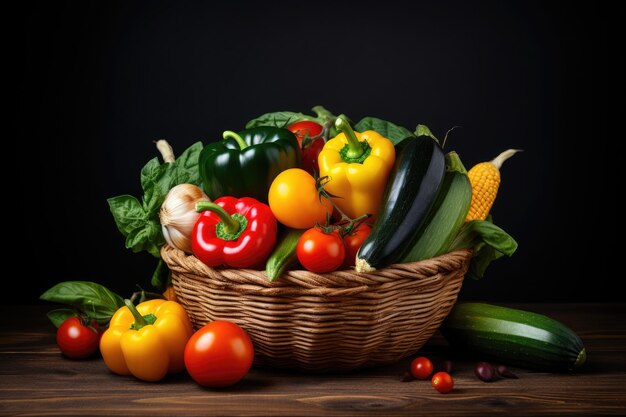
(184, 170)
(488, 241)
(391, 131)
(152, 183)
(127, 212)
(58, 316)
(423, 130)
(95, 301)
(278, 119)
(142, 229)
(148, 237)
(139, 222)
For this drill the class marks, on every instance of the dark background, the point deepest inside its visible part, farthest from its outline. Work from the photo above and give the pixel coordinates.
(98, 82)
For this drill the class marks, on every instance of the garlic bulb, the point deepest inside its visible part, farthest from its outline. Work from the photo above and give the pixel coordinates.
(178, 215)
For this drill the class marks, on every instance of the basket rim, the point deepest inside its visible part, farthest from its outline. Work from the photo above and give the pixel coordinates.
(186, 264)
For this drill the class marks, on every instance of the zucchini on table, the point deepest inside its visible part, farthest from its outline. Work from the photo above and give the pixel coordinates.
(412, 187)
(516, 337)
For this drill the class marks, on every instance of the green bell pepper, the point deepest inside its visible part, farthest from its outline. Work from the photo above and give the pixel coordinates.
(245, 164)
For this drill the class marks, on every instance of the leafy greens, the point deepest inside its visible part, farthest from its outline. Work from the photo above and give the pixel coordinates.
(138, 220)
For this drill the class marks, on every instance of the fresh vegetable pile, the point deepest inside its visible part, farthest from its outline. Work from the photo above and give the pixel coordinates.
(295, 191)
(333, 194)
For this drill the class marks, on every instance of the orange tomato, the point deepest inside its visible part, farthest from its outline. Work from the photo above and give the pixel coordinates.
(295, 202)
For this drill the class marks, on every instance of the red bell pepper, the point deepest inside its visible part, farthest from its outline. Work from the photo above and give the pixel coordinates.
(239, 233)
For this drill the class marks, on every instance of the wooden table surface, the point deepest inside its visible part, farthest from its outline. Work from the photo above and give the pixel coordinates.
(35, 379)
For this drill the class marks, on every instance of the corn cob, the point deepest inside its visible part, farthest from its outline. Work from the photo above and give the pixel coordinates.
(485, 180)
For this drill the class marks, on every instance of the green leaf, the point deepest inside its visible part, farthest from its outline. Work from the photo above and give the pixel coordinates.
(278, 119)
(184, 170)
(58, 316)
(488, 241)
(139, 222)
(483, 256)
(142, 229)
(391, 131)
(478, 231)
(157, 179)
(148, 237)
(322, 117)
(160, 275)
(152, 183)
(94, 300)
(127, 212)
(423, 130)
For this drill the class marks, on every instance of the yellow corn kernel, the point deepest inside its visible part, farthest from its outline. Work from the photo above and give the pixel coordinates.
(485, 180)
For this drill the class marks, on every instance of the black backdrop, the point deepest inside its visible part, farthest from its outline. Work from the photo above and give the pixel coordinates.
(98, 82)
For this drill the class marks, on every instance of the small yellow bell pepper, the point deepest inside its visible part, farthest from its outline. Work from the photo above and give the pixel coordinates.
(358, 165)
(147, 341)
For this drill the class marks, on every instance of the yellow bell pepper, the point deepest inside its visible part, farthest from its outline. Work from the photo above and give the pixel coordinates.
(147, 341)
(358, 165)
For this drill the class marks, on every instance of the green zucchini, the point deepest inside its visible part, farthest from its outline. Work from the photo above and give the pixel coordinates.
(410, 192)
(516, 337)
(447, 214)
(284, 254)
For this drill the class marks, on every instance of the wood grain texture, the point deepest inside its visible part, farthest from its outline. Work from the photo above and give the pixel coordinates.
(36, 380)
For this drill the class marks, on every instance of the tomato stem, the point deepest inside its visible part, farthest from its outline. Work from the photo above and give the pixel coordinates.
(346, 225)
(354, 224)
(229, 134)
(322, 114)
(326, 119)
(307, 139)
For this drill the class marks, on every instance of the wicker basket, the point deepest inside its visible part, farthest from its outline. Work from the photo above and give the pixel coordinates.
(332, 322)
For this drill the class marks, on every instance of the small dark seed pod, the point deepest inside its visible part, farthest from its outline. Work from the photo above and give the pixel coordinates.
(406, 377)
(484, 371)
(504, 372)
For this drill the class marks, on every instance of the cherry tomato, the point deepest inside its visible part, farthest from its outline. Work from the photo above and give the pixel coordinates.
(309, 149)
(353, 243)
(443, 382)
(295, 202)
(219, 354)
(76, 340)
(421, 368)
(305, 128)
(320, 252)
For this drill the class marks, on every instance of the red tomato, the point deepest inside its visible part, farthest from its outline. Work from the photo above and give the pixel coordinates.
(76, 340)
(421, 368)
(320, 252)
(309, 149)
(219, 354)
(443, 382)
(353, 243)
